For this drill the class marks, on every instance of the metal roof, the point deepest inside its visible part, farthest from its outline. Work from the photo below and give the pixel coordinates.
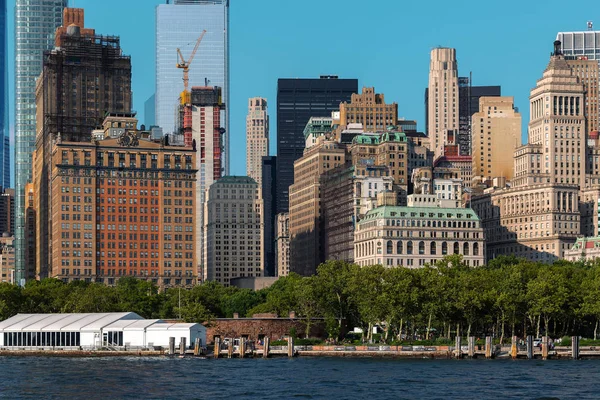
(64, 322)
(170, 326)
(130, 325)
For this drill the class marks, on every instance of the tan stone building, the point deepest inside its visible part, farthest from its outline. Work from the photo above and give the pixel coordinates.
(282, 244)
(306, 250)
(234, 230)
(587, 72)
(120, 207)
(369, 109)
(496, 133)
(7, 258)
(584, 249)
(442, 102)
(257, 137)
(415, 236)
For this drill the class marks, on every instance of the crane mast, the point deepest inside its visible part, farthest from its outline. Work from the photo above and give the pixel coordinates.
(185, 65)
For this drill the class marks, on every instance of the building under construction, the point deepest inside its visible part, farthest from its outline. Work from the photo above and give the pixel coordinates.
(83, 78)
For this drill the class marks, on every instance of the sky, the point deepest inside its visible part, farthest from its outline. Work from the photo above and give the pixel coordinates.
(382, 43)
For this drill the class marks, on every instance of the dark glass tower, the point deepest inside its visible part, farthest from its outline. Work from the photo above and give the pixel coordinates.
(297, 101)
(4, 131)
(269, 190)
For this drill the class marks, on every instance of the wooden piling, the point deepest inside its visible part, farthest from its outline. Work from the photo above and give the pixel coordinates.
(290, 346)
(171, 345)
(457, 350)
(266, 347)
(242, 347)
(471, 347)
(575, 347)
(182, 346)
(530, 347)
(513, 348)
(230, 348)
(544, 347)
(488, 347)
(217, 350)
(197, 347)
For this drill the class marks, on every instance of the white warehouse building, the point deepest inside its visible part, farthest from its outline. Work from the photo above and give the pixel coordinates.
(93, 331)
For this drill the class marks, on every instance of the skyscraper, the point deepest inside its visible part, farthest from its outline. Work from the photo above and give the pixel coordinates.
(297, 101)
(4, 129)
(35, 24)
(178, 25)
(83, 78)
(580, 44)
(257, 137)
(442, 110)
(269, 193)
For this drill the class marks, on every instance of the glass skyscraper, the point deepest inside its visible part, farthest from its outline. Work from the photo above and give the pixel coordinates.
(4, 130)
(582, 44)
(179, 24)
(35, 24)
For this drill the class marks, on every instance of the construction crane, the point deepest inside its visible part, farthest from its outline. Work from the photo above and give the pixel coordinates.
(185, 65)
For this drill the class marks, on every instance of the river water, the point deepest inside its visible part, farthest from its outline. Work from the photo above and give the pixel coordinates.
(282, 378)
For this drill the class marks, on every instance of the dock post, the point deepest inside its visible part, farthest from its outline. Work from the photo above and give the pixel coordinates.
(197, 347)
(530, 347)
(242, 347)
(488, 347)
(457, 351)
(266, 347)
(230, 348)
(182, 346)
(217, 350)
(544, 347)
(171, 345)
(471, 347)
(513, 348)
(290, 346)
(575, 347)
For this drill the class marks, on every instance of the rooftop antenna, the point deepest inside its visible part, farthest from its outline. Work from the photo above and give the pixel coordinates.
(590, 25)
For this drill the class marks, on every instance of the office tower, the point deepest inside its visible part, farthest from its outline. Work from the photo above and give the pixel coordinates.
(149, 112)
(468, 104)
(200, 123)
(306, 234)
(83, 78)
(581, 44)
(178, 25)
(30, 239)
(282, 244)
(233, 230)
(297, 101)
(442, 98)
(257, 137)
(315, 128)
(496, 133)
(35, 24)
(370, 110)
(7, 212)
(269, 190)
(587, 71)
(4, 127)
(7, 259)
(122, 207)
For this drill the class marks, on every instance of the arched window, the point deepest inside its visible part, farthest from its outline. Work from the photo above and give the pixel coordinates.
(421, 247)
(466, 248)
(409, 248)
(399, 247)
(456, 248)
(432, 248)
(389, 247)
(475, 249)
(444, 248)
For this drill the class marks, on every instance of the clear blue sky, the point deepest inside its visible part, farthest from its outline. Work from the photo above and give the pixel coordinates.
(383, 43)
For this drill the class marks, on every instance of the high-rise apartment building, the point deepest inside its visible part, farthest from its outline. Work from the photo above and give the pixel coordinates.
(4, 126)
(468, 104)
(297, 101)
(282, 244)
(233, 230)
(306, 240)
(35, 24)
(179, 23)
(257, 137)
(496, 133)
(83, 78)
(370, 110)
(269, 191)
(442, 101)
(121, 207)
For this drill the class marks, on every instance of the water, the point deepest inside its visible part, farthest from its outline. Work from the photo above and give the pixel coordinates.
(282, 378)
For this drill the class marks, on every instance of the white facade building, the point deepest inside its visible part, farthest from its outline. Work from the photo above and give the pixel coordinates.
(93, 331)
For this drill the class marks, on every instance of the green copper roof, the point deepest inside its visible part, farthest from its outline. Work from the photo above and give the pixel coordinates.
(393, 137)
(237, 179)
(396, 212)
(366, 139)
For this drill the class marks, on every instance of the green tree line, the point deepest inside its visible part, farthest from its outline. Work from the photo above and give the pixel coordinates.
(509, 296)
